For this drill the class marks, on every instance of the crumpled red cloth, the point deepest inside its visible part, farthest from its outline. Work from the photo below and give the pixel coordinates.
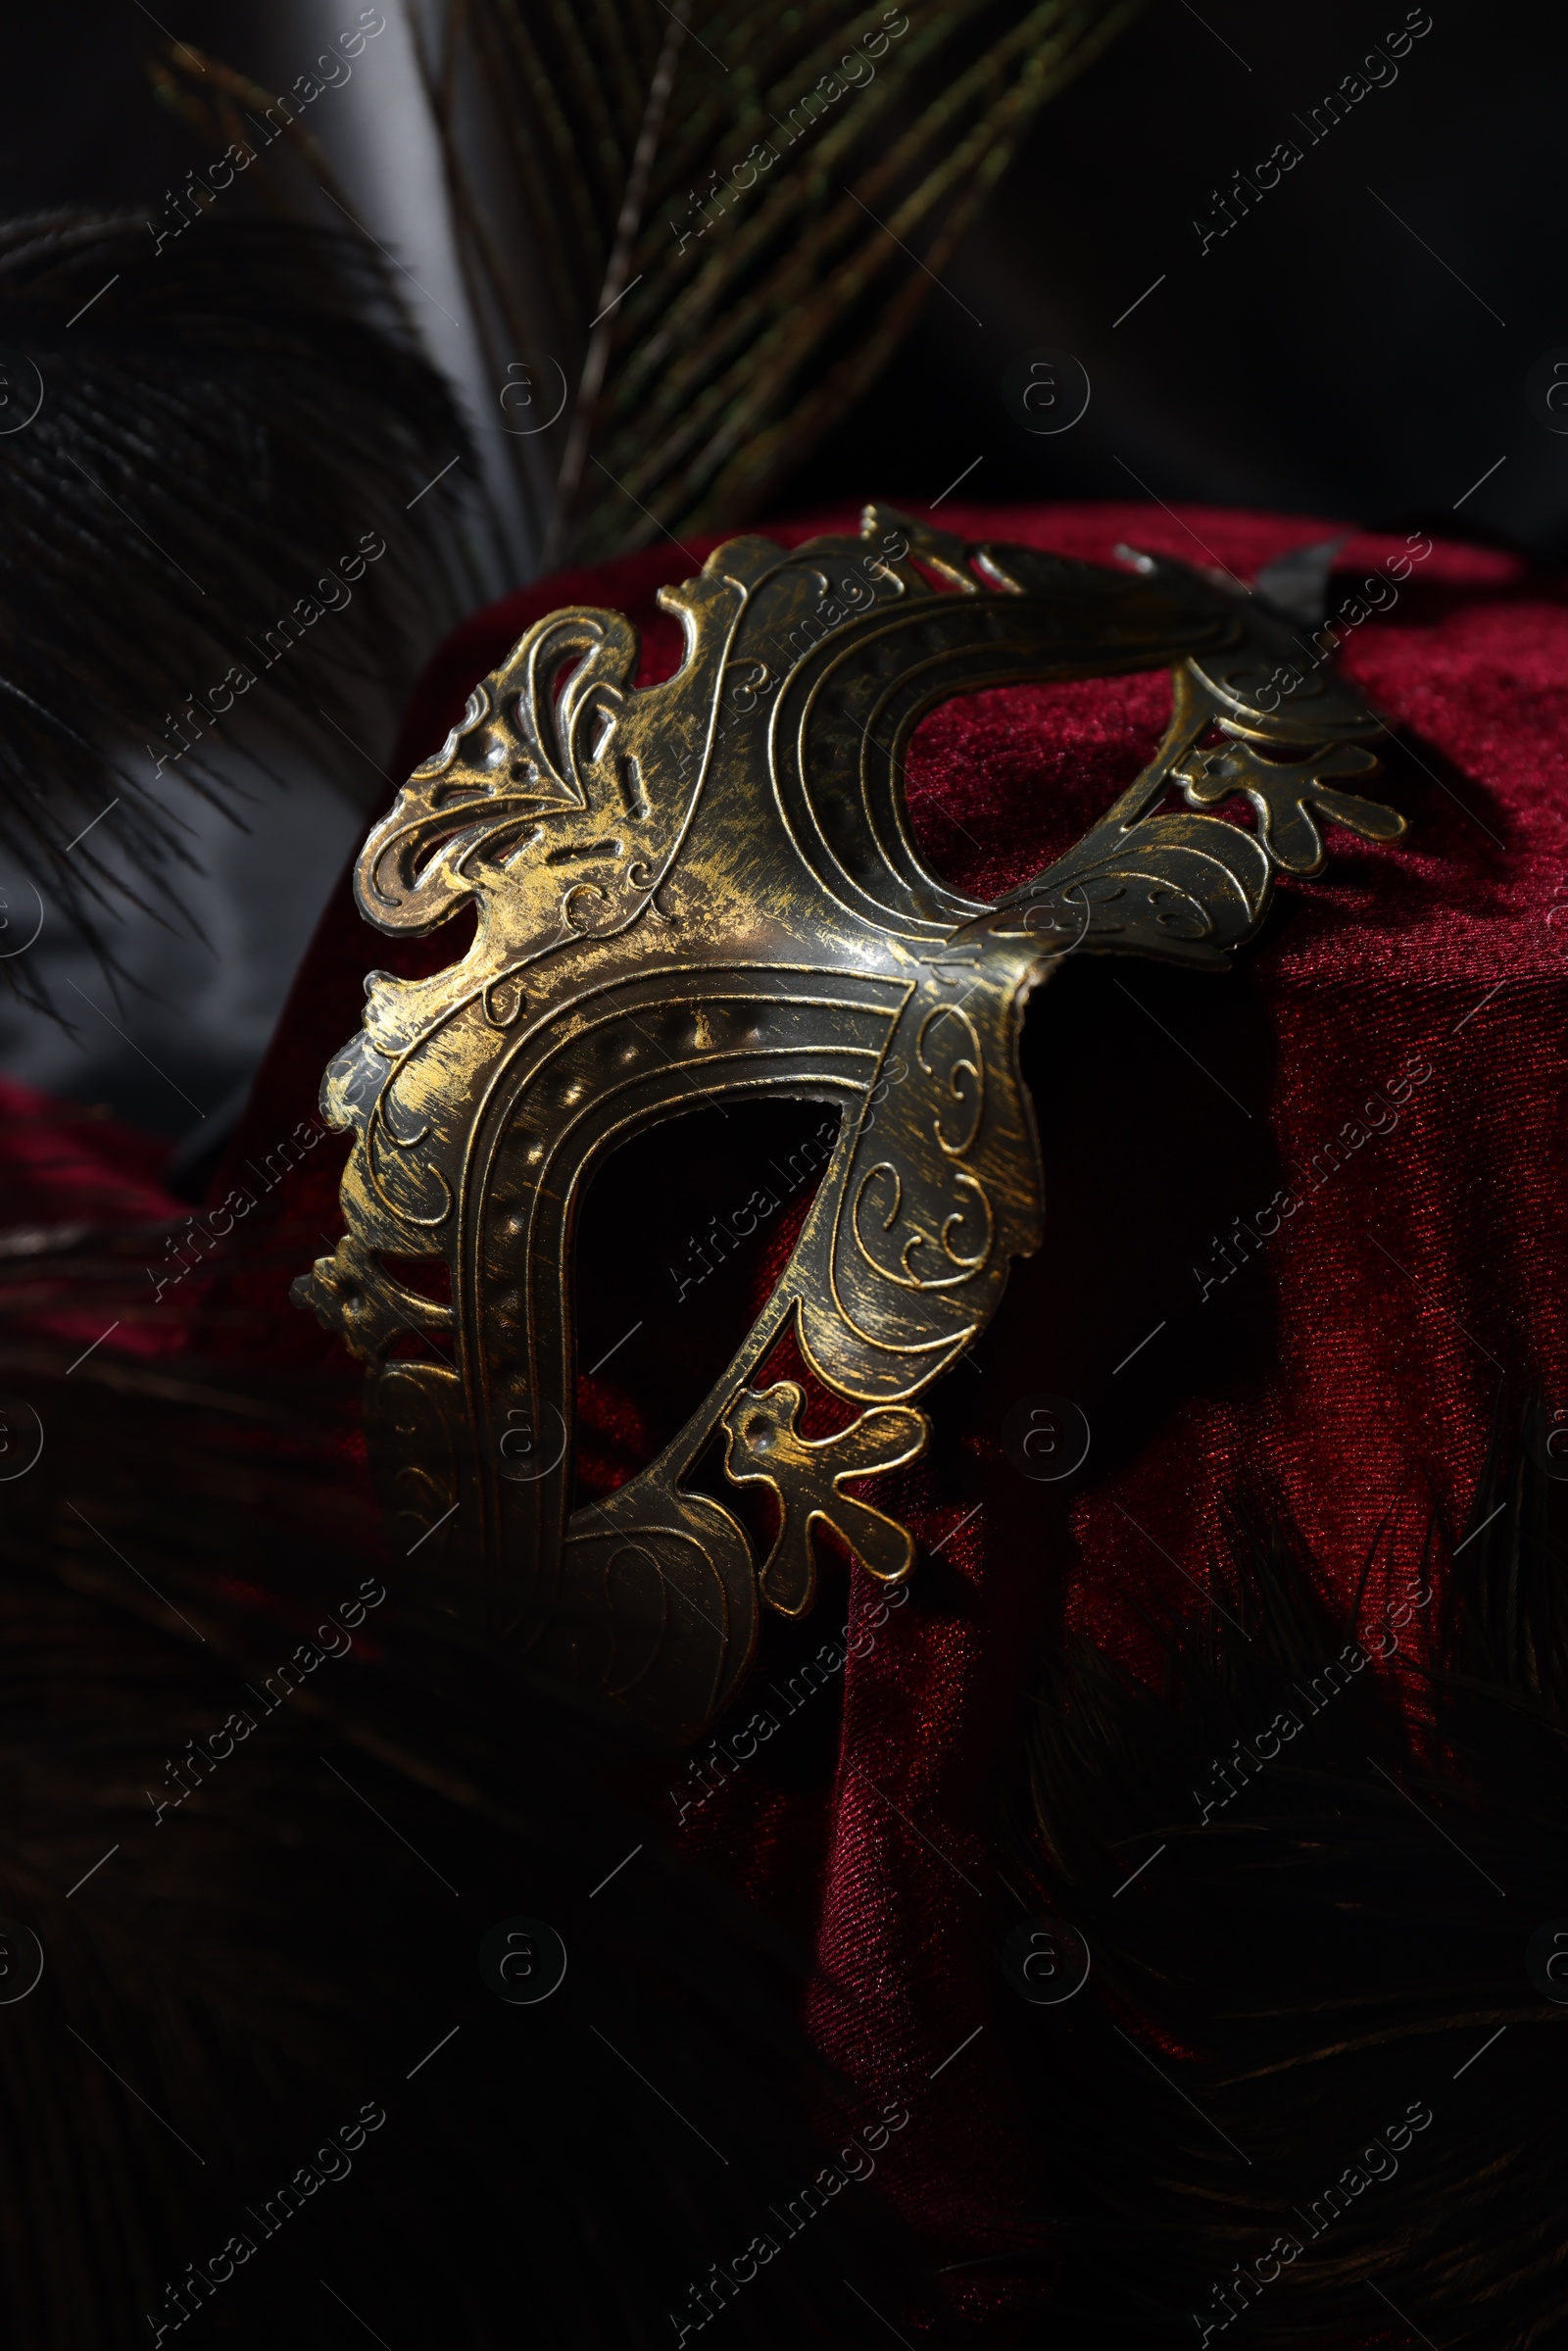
(65, 1168)
(1305, 1223)
(71, 1176)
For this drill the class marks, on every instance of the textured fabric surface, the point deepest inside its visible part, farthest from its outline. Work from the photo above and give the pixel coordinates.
(62, 1166)
(1304, 1224)
(70, 1178)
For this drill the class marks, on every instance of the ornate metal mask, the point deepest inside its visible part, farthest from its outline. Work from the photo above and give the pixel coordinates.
(708, 887)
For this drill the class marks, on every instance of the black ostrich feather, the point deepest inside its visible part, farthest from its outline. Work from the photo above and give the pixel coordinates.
(202, 446)
(1314, 2091)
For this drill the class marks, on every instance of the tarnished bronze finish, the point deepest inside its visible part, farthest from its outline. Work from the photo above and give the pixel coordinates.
(707, 889)
(807, 1474)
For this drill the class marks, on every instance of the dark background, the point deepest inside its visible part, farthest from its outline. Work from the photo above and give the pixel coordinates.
(1318, 358)
(1322, 357)
(1356, 348)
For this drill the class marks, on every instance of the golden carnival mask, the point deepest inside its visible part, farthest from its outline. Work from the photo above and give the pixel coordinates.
(707, 888)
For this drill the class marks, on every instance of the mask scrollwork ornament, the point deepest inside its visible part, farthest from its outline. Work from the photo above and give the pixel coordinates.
(707, 887)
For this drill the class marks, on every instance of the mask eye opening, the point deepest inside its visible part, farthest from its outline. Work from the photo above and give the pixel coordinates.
(681, 1235)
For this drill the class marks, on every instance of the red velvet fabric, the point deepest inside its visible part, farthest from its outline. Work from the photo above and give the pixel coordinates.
(61, 1166)
(1386, 1060)
(69, 1175)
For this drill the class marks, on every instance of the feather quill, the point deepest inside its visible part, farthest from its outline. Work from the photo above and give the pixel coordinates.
(715, 338)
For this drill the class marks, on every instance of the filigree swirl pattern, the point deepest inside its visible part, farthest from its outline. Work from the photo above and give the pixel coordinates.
(708, 888)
